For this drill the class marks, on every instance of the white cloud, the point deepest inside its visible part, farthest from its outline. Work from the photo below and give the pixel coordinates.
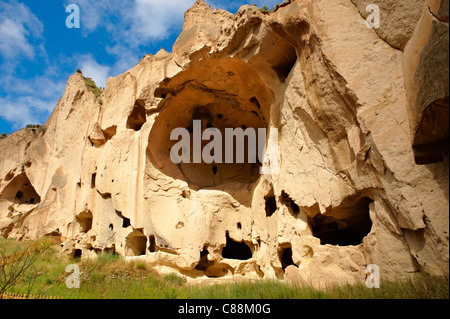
(29, 101)
(19, 30)
(17, 114)
(134, 22)
(130, 25)
(13, 40)
(92, 69)
(98, 14)
(125, 58)
(155, 19)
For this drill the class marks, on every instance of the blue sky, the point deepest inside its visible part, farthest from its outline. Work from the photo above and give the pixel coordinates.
(38, 52)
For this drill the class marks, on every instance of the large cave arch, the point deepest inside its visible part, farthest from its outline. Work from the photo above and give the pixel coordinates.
(223, 94)
(20, 191)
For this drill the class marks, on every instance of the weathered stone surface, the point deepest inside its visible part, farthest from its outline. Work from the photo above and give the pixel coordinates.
(398, 19)
(348, 192)
(427, 83)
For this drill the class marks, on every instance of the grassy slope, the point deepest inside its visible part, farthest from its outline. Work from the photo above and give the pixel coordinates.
(112, 278)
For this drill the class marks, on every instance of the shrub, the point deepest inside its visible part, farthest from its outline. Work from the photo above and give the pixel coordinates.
(92, 87)
(19, 267)
(42, 129)
(266, 10)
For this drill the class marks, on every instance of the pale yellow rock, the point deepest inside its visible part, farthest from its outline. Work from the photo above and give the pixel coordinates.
(348, 192)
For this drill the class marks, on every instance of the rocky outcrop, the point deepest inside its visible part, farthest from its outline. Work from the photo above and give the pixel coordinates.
(427, 83)
(347, 193)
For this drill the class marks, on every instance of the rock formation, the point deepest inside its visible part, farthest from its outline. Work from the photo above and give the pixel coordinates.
(362, 116)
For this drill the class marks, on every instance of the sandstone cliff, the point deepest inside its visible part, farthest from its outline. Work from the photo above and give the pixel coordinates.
(362, 116)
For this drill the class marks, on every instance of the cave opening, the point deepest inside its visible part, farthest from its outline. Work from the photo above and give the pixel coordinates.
(431, 136)
(219, 149)
(282, 59)
(110, 132)
(224, 95)
(20, 190)
(285, 256)
(346, 225)
(76, 253)
(270, 203)
(286, 200)
(126, 222)
(203, 263)
(152, 244)
(85, 221)
(236, 250)
(93, 177)
(135, 244)
(137, 117)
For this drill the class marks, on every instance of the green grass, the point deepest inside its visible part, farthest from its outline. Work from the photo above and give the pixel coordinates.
(92, 87)
(111, 277)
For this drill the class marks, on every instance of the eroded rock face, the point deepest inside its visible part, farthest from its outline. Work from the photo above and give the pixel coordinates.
(347, 193)
(427, 83)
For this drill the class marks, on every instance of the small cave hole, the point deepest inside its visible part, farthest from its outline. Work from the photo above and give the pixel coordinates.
(270, 204)
(214, 169)
(286, 200)
(286, 63)
(135, 244)
(346, 225)
(111, 226)
(20, 189)
(85, 221)
(76, 253)
(126, 223)
(286, 257)
(203, 263)
(239, 226)
(236, 250)
(152, 246)
(255, 101)
(93, 177)
(110, 132)
(186, 194)
(9, 177)
(137, 117)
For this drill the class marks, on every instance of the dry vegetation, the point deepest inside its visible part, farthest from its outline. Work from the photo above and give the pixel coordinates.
(111, 277)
